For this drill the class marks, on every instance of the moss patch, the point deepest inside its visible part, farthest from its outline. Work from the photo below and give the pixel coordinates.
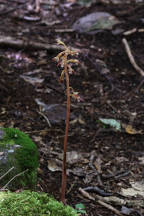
(26, 155)
(29, 203)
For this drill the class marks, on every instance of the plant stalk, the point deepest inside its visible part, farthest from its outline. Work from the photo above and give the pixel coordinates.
(64, 177)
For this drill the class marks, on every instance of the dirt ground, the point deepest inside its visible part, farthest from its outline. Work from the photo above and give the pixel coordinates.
(106, 160)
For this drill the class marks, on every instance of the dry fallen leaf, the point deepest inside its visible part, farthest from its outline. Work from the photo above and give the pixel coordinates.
(130, 130)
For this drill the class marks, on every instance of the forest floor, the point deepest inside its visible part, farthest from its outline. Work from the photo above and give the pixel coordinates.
(107, 160)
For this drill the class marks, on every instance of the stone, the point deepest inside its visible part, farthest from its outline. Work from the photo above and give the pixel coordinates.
(95, 22)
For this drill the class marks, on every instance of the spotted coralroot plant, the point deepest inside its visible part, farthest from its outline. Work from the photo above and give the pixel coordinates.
(64, 61)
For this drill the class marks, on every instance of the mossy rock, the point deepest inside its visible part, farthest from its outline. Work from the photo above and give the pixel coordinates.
(20, 152)
(28, 203)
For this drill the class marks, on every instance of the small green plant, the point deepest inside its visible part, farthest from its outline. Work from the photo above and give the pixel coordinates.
(63, 60)
(80, 208)
(111, 122)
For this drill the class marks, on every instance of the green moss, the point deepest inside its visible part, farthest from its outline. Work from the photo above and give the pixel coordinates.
(29, 203)
(27, 156)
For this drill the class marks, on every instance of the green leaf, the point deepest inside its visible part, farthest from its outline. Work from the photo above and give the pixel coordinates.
(80, 208)
(111, 122)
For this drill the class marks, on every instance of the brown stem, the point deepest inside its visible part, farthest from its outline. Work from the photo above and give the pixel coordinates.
(63, 188)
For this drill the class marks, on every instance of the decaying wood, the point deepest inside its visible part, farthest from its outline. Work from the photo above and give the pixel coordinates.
(127, 202)
(86, 194)
(108, 206)
(26, 44)
(100, 201)
(30, 45)
(114, 200)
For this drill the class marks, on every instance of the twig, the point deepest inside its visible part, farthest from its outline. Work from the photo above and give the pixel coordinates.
(92, 158)
(26, 44)
(114, 199)
(19, 174)
(37, 6)
(141, 30)
(64, 30)
(115, 110)
(71, 187)
(29, 45)
(47, 120)
(119, 201)
(131, 58)
(87, 195)
(97, 190)
(110, 207)
(7, 172)
(130, 31)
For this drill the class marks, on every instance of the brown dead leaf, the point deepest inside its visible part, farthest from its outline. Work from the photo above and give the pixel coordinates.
(130, 130)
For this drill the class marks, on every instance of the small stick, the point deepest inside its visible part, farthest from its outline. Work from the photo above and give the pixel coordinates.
(86, 194)
(131, 58)
(37, 6)
(64, 30)
(25, 44)
(19, 174)
(7, 172)
(141, 30)
(44, 116)
(130, 31)
(110, 207)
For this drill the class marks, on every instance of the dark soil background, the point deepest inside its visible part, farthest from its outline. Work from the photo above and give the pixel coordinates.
(107, 158)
